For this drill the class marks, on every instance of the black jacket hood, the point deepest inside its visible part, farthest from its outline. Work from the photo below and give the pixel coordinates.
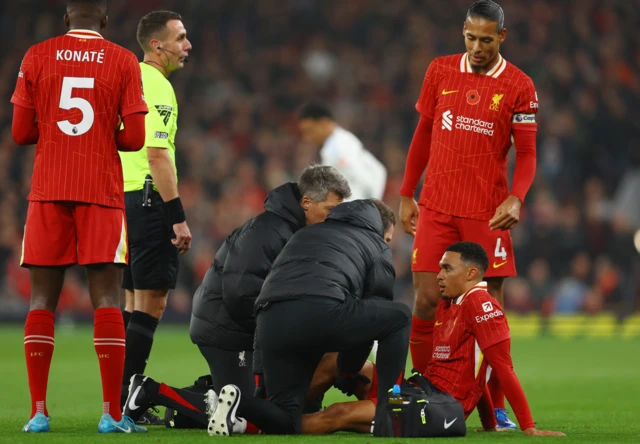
(361, 213)
(285, 202)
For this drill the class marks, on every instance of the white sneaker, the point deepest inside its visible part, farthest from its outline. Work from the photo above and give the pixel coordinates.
(222, 418)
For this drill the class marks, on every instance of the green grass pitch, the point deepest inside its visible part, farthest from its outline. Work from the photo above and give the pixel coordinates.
(587, 388)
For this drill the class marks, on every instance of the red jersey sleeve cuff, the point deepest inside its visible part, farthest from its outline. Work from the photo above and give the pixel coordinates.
(141, 108)
(21, 102)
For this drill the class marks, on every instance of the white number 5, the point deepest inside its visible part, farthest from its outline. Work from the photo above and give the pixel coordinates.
(500, 251)
(68, 102)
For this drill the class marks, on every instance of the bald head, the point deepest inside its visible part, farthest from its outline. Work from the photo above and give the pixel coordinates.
(86, 14)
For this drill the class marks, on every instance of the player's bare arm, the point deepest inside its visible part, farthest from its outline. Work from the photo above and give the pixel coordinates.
(164, 177)
(507, 214)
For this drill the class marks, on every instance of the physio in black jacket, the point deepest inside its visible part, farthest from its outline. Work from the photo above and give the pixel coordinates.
(330, 289)
(222, 320)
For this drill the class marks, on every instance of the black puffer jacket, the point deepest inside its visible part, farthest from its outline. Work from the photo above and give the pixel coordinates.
(346, 256)
(222, 314)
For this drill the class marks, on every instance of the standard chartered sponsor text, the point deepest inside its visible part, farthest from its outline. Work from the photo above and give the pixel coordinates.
(475, 125)
(442, 352)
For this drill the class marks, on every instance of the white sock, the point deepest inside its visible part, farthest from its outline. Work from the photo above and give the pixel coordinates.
(240, 426)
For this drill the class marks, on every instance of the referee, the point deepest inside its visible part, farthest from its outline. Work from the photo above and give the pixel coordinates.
(157, 227)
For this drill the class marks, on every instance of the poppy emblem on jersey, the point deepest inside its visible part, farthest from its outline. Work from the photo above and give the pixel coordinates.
(473, 97)
(495, 102)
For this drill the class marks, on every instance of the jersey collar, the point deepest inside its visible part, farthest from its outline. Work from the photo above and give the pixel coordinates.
(481, 286)
(465, 66)
(84, 34)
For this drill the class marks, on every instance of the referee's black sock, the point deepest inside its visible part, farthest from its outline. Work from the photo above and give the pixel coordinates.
(126, 315)
(139, 339)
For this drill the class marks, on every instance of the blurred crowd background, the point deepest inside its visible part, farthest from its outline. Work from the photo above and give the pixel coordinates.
(254, 62)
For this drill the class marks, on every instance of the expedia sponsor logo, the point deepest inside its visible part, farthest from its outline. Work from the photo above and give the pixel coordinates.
(474, 125)
(524, 118)
(488, 316)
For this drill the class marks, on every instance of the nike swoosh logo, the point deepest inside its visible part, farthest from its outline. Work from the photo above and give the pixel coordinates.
(438, 323)
(128, 429)
(448, 424)
(132, 401)
(415, 342)
(445, 92)
(499, 265)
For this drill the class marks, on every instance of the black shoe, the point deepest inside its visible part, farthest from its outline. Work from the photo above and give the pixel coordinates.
(140, 398)
(150, 419)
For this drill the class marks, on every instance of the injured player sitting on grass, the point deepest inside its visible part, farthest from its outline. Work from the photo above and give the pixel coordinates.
(353, 416)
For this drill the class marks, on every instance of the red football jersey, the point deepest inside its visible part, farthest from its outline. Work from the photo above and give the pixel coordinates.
(78, 84)
(463, 328)
(473, 117)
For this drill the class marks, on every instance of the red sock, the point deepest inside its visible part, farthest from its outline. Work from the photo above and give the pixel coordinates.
(421, 343)
(251, 429)
(497, 395)
(38, 350)
(108, 339)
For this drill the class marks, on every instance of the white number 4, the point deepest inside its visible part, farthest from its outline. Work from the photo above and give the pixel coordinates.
(500, 251)
(67, 102)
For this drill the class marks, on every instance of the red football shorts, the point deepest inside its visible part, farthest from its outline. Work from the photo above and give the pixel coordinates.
(67, 233)
(437, 231)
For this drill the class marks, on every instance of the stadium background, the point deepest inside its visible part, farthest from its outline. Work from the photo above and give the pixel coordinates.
(254, 62)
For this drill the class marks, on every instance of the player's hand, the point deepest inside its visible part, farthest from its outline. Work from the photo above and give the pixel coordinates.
(182, 240)
(507, 214)
(409, 214)
(349, 383)
(533, 432)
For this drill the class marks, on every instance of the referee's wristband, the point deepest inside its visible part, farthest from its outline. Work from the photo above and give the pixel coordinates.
(174, 210)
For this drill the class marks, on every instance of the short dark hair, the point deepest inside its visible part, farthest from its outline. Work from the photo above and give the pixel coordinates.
(100, 3)
(316, 181)
(153, 24)
(489, 10)
(471, 253)
(386, 213)
(314, 110)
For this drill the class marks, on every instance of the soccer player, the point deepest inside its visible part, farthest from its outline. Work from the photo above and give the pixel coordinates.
(77, 86)
(341, 149)
(471, 335)
(472, 106)
(157, 223)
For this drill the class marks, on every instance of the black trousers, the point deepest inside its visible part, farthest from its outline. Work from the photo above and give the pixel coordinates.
(294, 335)
(230, 367)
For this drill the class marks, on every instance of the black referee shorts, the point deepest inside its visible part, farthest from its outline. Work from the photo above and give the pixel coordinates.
(153, 259)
